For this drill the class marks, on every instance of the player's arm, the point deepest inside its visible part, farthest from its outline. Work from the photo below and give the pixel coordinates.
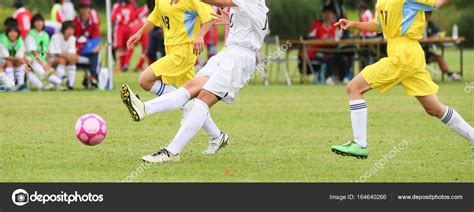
(217, 3)
(220, 3)
(362, 26)
(135, 39)
(199, 41)
(154, 19)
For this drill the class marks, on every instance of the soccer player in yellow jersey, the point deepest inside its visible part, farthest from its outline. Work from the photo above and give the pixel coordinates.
(184, 25)
(402, 23)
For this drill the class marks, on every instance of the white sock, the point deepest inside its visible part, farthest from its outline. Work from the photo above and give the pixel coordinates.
(61, 71)
(168, 102)
(55, 80)
(190, 127)
(159, 88)
(9, 73)
(38, 69)
(458, 124)
(71, 75)
(34, 80)
(359, 121)
(20, 75)
(211, 128)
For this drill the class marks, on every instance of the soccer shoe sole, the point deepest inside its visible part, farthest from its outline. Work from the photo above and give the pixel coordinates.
(125, 95)
(363, 157)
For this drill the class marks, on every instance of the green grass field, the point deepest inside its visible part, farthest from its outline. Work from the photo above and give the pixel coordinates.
(278, 134)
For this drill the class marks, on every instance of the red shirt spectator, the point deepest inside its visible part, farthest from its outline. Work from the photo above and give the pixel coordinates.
(85, 31)
(366, 16)
(321, 31)
(23, 16)
(123, 14)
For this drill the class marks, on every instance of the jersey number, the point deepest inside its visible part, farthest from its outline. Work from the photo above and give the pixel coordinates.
(384, 15)
(231, 20)
(166, 21)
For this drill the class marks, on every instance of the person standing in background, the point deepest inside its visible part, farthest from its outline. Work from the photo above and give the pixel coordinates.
(141, 14)
(365, 15)
(88, 40)
(122, 16)
(56, 12)
(23, 16)
(212, 39)
(156, 42)
(432, 31)
(68, 11)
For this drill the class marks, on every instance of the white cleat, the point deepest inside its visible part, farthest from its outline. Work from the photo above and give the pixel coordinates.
(135, 106)
(217, 144)
(161, 157)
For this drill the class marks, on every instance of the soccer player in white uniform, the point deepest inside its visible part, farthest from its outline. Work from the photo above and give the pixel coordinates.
(63, 55)
(221, 79)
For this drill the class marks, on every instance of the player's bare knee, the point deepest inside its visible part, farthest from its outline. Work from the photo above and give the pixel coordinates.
(144, 83)
(434, 111)
(353, 89)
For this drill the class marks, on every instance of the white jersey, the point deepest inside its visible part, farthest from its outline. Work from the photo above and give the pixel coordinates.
(248, 24)
(60, 46)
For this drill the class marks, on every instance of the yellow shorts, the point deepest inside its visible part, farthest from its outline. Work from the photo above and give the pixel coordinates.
(404, 65)
(177, 67)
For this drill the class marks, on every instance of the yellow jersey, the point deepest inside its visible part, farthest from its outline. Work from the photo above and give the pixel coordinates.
(403, 18)
(180, 22)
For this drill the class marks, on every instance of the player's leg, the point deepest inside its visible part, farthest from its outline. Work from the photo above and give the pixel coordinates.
(32, 78)
(153, 84)
(176, 99)
(60, 63)
(358, 147)
(382, 75)
(9, 72)
(20, 73)
(448, 116)
(188, 129)
(71, 69)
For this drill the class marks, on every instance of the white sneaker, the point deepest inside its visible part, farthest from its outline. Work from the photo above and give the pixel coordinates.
(345, 81)
(135, 106)
(455, 77)
(49, 86)
(330, 81)
(160, 157)
(216, 144)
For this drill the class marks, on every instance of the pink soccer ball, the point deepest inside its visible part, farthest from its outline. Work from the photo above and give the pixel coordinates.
(91, 129)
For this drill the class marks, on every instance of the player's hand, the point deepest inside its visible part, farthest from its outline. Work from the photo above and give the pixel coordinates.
(28, 63)
(345, 24)
(133, 41)
(174, 2)
(198, 47)
(223, 18)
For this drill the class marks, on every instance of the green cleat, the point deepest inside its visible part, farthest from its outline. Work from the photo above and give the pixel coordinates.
(351, 148)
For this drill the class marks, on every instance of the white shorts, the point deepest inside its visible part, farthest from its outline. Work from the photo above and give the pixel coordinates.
(229, 71)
